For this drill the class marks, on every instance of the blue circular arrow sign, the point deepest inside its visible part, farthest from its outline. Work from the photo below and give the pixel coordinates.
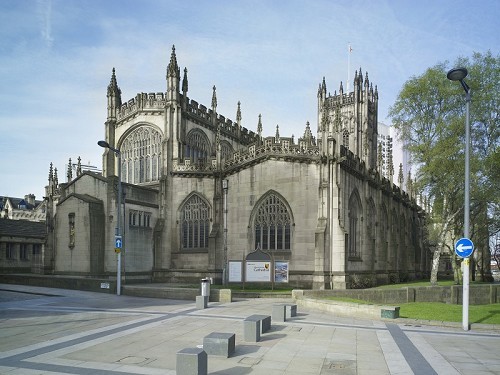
(464, 247)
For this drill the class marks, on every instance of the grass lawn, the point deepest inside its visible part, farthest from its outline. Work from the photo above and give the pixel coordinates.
(425, 283)
(485, 314)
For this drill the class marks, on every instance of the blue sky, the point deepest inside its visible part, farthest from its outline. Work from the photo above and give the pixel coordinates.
(56, 58)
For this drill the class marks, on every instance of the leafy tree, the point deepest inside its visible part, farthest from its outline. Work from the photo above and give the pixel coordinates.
(429, 114)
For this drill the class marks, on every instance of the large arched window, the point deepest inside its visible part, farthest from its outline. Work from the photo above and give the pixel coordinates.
(197, 146)
(141, 156)
(272, 224)
(195, 219)
(370, 227)
(355, 208)
(383, 233)
(226, 150)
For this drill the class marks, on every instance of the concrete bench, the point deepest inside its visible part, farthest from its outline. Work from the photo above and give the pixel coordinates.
(389, 312)
(219, 343)
(291, 310)
(191, 361)
(201, 302)
(279, 312)
(254, 325)
(265, 322)
(251, 329)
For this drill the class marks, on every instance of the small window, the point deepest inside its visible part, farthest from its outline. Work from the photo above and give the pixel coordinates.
(37, 249)
(71, 226)
(23, 251)
(9, 251)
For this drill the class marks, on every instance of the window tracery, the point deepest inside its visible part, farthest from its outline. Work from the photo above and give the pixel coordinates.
(354, 228)
(195, 220)
(197, 147)
(272, 224)
(141, 156)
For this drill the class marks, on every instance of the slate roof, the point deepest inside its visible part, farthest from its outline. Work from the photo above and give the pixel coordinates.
(22, 228)
(16, 201)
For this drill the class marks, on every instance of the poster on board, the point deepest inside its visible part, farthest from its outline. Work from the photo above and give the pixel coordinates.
(258, 271)
(280, 272)
(235, 271)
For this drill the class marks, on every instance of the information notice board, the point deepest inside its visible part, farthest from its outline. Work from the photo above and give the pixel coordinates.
(235, 269)
(258, 271)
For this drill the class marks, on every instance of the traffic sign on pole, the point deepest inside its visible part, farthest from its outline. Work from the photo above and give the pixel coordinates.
(118, 244)
(464, 247)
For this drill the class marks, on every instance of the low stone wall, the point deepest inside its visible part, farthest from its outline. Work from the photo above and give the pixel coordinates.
(63, 282)
(478, 294)
(347, 309)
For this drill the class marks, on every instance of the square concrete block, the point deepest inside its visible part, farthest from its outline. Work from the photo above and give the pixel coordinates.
(265, 322)
(201, 302)
(251, 329)
(191, 361)
(225, 296)
(219, 343)
(291, 310)
(279, 312)
(390, 312)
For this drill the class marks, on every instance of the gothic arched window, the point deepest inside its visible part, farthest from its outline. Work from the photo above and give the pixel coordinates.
(197, 146)
(226, 150)
(345, 138)
(354, 226)
(272, 224)
(141, 155)
(195, 219)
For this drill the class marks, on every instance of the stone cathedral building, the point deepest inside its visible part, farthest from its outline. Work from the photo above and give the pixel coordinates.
(200, 190)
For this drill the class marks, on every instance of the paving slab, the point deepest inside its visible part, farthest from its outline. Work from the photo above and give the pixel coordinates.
(72, 332)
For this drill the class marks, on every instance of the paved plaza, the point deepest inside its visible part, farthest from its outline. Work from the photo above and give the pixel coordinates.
(56, 331)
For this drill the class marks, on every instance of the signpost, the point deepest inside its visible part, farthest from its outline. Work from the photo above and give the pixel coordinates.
(118, 244)
(464, 247)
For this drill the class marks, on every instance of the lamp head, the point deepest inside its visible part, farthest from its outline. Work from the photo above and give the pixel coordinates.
(103, 144)
(457, 74)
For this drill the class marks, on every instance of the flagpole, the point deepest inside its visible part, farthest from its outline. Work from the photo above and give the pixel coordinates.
(349, 50)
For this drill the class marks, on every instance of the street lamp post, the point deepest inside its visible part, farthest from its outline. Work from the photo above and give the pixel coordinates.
(118, 233)
(458, 74)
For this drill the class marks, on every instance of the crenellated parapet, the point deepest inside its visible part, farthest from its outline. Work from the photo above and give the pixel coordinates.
(188, 167)
(142, 102)
(228, 128)
(340, 99)
(268, 150)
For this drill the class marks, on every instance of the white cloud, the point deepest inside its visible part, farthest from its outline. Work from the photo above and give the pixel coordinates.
(44, 8)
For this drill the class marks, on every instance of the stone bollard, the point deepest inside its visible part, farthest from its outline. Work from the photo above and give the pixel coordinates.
(191, 361)
(201, 302)
(225, 296)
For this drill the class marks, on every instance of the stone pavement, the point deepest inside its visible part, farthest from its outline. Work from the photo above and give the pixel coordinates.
(56, 331)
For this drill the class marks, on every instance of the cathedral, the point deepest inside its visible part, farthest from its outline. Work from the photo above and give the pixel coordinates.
(193, 194)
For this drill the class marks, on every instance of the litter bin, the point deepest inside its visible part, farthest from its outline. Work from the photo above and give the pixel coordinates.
(205, 287)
